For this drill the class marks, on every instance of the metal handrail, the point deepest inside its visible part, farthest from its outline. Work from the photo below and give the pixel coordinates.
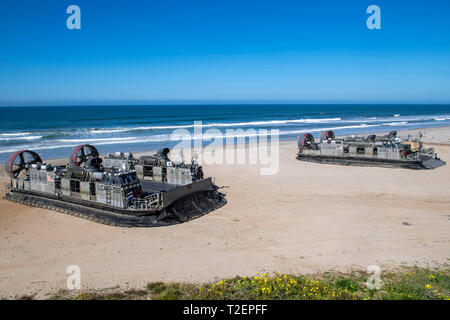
(149, 202)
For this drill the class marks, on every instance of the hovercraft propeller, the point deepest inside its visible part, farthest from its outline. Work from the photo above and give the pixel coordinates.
(328, 135)
(20, 161)
(82, 153)
(305, 141)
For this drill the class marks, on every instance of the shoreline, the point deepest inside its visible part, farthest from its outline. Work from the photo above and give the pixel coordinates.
(426, 138)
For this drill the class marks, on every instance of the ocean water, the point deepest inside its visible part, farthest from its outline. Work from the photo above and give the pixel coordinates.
(54, 131)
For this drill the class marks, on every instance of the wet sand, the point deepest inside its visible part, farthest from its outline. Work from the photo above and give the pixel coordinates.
(305, 219)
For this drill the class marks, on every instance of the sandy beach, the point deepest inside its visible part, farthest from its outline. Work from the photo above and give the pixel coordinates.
(308, 218)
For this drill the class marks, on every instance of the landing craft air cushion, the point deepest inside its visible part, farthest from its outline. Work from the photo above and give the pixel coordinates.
(116, 189)
(387, 151)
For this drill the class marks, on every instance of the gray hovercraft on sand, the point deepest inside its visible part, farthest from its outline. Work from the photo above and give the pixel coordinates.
(116, 189)
(387, 151)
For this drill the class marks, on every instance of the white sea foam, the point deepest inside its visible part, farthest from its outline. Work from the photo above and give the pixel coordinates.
(333, 128)
(251, 123)
(94, 131)
(14, 134)
(218, 124)
(399, 119)
(21, 138)
(69, 143)
(90, 140)
(395, 123)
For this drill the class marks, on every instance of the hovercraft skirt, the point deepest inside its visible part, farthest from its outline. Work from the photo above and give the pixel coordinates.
(417, 165)
(185, 209)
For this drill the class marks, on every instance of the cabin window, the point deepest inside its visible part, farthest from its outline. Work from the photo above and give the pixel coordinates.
(134, 178)
(345, 149)
(75, 186)
(92, 189)
(42, 177)
(360, 150)
(375, 151)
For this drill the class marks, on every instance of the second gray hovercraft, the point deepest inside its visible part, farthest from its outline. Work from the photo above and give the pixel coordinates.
(387, 151)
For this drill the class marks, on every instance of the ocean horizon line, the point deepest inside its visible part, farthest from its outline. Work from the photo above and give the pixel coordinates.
(224, 103)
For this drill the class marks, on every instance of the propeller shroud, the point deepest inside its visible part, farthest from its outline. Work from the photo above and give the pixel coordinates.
(20, 161)
(82, 153)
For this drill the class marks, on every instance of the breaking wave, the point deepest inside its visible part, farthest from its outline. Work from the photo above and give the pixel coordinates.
(14, 134)
(21, 137)
(395, 123)
(218, 124)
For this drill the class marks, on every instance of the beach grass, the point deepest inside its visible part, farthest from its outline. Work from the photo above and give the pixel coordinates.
(406, 284)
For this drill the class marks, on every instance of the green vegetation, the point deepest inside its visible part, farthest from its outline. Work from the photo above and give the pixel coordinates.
(409, 283)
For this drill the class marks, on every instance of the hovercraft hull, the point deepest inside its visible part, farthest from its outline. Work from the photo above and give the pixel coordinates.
(191, 206)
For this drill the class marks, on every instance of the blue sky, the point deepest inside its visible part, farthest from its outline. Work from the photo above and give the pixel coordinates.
(224, 50)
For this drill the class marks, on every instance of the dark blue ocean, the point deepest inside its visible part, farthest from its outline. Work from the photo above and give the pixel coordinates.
(53, 131)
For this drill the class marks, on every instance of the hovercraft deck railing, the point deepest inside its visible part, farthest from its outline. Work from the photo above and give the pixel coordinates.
(150, 202)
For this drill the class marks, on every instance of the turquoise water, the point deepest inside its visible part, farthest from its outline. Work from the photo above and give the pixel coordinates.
(53, 131)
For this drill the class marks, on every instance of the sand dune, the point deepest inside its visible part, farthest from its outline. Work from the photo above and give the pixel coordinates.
(307, 218)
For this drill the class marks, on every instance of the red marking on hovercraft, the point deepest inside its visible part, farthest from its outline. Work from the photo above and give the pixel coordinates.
(303, 140)
(10, 161)
(75, 155)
